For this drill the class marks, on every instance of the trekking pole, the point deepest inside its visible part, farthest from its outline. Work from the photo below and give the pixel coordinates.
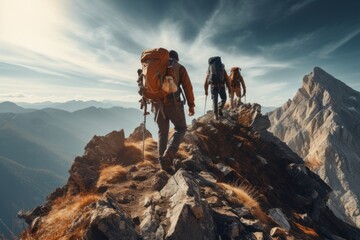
(144, 105)
(144, 129)
(205, 104)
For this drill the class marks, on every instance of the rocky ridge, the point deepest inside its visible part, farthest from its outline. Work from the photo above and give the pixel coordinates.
(234, 180)
(322, 124)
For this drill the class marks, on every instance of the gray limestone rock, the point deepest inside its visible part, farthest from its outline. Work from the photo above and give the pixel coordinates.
(190, 216)
(109, 220)
(321, 124)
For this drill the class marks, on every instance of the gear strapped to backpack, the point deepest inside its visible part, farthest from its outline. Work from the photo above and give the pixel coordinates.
(216, 71)
(157, 77)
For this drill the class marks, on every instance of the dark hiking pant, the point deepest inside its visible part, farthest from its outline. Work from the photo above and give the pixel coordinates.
(215, 92)
(173, 112)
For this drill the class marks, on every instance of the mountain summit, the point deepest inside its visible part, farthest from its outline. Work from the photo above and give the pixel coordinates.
(322, 124)
(234, 180)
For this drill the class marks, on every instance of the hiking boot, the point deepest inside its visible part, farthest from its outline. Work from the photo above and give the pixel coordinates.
(178, 164)
(166, 162)
(166, 165)
(216, 117)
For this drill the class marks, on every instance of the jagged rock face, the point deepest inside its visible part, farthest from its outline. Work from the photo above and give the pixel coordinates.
(233, 180)
(322, 124)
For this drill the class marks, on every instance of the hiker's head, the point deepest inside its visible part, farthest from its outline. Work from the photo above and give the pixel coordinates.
(173, 54)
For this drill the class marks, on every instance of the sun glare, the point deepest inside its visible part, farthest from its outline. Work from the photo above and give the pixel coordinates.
(32, 24)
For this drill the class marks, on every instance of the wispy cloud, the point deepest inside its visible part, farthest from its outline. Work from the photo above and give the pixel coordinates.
(329, 48)
(13, 95)
(298, 6)
(288, 45)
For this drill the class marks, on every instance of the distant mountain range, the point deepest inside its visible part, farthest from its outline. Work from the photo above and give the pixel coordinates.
(37, 148)
(22, 187)
(322, 124)
(75, 105)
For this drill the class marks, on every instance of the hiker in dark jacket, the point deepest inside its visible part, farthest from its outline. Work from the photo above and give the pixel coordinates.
(216, 90)
(172, 109)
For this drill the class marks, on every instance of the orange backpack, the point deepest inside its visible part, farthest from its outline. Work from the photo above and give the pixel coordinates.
(234, 77)
(155, 63)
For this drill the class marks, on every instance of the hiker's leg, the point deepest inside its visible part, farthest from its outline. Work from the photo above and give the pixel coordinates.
(163, 125)
(176, 115)
(232, 98)
(222, 93)
(214, 97)
(238, 94)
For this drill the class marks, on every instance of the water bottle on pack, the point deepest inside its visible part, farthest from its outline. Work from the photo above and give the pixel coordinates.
(169, 85)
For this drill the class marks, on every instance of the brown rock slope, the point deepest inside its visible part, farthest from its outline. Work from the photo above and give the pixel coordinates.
(234, 180)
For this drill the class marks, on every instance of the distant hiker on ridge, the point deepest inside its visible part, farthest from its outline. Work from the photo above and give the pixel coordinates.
(235, 80)
(217, 77)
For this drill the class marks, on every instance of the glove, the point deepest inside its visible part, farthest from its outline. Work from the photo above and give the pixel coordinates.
(191, 111)
(244, 93)
(206, 93)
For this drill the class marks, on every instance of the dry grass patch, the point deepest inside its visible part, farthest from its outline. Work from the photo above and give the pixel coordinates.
(151, 150)
(308, 231)
(132, 153)
(313, 163)
(247, 196)
(183, 150)
(55, 225)
(112, 174)
(146, 163)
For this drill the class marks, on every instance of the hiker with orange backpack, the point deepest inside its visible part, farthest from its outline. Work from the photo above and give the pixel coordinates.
(237, 82)
(217, 77)
(174, 112)
(164, 80)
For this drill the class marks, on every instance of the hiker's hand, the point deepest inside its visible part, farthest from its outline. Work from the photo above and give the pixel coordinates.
(191, 111)
(206, 93)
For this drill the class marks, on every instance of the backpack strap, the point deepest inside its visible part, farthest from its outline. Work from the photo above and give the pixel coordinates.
(183, 95)
(159, 109)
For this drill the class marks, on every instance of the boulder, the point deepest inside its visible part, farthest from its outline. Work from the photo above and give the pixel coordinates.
(279, 217)
(109, 221)
(190, 215)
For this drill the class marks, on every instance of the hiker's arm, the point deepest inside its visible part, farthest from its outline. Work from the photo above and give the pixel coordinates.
(243, 85)
(187, 86)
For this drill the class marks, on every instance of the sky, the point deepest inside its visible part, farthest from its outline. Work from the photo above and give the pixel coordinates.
(60, 50)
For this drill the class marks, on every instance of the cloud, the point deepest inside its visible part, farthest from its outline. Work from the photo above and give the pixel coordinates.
(289, 45)
(12, 95)
(92, 45)
(299, 6)
(331, 47)
(103, 49)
